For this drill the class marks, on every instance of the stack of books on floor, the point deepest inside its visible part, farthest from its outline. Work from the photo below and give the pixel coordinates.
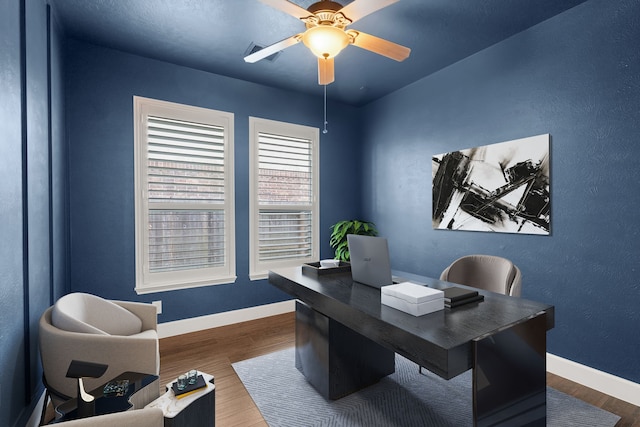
(455, 296)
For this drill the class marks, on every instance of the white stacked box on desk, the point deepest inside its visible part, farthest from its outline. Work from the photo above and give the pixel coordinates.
(412, 298)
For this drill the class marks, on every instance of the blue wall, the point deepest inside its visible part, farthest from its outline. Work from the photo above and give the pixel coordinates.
(38, 191)
(33, 193)
(577, 77)
(12, 346)
(66, 183)
(100, 86)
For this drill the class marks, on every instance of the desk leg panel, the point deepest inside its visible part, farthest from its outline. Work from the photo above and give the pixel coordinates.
(336, 360)
(509, 376)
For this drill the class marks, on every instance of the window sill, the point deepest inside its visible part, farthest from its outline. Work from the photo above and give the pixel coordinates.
(149, 289)
(258, 276)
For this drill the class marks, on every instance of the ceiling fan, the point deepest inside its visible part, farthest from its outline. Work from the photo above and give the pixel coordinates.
(326, 33)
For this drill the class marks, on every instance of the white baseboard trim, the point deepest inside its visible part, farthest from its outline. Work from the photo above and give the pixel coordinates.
(617, 387)
(194, 324)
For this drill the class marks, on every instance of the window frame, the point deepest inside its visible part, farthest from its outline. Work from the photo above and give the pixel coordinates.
(150, 282)
(259, 269)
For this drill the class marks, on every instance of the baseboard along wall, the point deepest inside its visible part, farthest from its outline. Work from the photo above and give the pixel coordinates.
(603, 382)
(194, 324)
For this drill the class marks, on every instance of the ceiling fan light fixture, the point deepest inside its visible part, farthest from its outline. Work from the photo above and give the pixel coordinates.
(325, 41)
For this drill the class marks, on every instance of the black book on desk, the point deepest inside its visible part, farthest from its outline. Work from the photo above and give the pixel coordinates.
(464, 301)
(455, 296)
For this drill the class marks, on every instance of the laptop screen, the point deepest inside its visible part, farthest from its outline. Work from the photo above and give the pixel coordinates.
(370, 263)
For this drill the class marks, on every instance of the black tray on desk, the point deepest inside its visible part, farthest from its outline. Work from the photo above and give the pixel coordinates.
(314, 269)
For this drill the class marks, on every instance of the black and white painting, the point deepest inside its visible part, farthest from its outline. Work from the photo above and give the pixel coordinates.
(500, 187)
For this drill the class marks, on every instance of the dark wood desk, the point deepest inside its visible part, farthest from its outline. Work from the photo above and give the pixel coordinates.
(503, 339)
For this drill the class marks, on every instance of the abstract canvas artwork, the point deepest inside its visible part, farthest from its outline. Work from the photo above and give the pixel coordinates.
(500, 187)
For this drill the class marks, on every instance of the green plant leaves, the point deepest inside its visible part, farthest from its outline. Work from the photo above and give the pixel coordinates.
(339, 233)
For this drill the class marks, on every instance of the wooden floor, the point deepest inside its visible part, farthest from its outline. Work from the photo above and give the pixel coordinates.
(214, 350)
(630, 414)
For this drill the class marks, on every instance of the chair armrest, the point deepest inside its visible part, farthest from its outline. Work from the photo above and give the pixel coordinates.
(445, 274)
(516, 286)
(148, 417)
(146, 312)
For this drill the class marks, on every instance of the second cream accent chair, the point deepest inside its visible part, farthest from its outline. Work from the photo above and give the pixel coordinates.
(85, 327)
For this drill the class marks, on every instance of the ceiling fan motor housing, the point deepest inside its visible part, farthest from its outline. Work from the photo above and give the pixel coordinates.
(324, 13)
(324, 5)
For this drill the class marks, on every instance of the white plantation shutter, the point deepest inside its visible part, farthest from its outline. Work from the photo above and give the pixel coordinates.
(180, 240)
(184, 217)
(284, 235)
(185, 164)
(284, 195)
(185, 161)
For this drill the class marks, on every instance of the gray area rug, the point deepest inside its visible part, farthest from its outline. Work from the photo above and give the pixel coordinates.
(403, 399)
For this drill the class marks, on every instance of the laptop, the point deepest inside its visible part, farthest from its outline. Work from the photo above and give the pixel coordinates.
(370, 263)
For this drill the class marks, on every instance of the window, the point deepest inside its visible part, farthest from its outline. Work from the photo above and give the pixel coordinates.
(184, 196)
(284, 206)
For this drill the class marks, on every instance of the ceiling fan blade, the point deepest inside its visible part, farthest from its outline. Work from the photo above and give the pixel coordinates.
(325, 71)
(361, 8)
(270, 50)
(288, 7)
(380, 46)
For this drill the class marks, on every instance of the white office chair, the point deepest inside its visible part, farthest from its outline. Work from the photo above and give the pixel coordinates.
(487, 272)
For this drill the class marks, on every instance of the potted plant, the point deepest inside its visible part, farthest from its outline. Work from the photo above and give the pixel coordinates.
(339, 233)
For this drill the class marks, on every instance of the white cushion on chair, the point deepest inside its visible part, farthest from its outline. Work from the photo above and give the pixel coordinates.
(86, 313)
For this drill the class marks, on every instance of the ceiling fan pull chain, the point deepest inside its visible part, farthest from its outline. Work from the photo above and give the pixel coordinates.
(325, 110)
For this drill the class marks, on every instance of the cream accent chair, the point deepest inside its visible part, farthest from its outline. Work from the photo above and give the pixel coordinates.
(148, 417)
(79, 326)
(487, 272)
